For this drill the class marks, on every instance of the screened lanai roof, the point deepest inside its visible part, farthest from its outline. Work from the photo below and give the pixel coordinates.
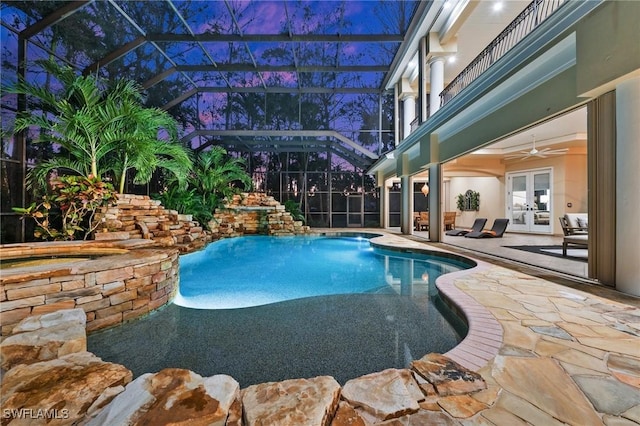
(215, 57)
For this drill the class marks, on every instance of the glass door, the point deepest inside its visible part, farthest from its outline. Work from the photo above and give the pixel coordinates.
(529, 201)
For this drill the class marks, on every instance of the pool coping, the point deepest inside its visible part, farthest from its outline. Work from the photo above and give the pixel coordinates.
(485, 335)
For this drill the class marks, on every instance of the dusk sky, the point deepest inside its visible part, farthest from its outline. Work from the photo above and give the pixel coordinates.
(100, 28)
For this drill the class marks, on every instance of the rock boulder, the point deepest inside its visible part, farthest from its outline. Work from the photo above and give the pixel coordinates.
(59, 391)
(44, 337)
(172, 396)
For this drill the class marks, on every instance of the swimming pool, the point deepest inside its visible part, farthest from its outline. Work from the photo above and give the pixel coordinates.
(383, 322)
(253, 271)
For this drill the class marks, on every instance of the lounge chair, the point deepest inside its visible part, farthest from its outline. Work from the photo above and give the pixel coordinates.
(478, 225)
(496, 231)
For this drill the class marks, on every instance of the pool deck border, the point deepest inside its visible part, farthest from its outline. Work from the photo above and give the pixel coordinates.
(485, 334)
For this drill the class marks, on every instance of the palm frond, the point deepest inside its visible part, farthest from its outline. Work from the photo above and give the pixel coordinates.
(39, 174)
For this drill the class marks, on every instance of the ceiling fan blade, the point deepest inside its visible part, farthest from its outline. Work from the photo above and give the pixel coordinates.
(557, 151)
(513, 156)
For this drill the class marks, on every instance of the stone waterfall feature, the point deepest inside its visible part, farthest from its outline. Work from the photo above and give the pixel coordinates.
(254, 213)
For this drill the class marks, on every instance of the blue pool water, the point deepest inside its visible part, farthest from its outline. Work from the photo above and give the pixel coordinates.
(272, 309)
(254, 271)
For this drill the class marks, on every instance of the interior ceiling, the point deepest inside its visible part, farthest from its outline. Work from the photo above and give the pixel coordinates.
(567, 130)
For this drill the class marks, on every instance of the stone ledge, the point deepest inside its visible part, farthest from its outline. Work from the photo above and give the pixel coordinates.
(110, 289)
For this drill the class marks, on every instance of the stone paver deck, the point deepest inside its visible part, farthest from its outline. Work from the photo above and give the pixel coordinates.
(550, 354)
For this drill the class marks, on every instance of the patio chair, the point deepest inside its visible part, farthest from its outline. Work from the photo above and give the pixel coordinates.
(478, 225)
(496, 231)
(574, 235)
(422, 223)
(449, 221)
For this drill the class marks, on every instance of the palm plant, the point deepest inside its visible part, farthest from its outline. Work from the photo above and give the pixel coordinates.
(141, 150)
(79, 120)
(214, 173)
(213, 177)
(101, 129)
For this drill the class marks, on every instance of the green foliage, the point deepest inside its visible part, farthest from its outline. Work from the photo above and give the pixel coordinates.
(100, 128)
(294, 209)
(215, 175)
(469, 201)
(68, 211)
(188, 201)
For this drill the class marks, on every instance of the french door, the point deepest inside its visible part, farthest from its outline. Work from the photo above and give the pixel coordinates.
(529, 201)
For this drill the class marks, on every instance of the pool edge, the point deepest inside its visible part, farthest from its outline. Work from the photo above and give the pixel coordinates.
(485, 335)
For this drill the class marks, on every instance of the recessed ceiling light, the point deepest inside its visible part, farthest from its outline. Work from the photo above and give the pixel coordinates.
(451, 59)
(497, 6)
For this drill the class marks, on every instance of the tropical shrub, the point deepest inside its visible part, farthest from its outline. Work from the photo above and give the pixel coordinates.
(215, 176)
(294, 209)
(67, 212)
(100, 128)
(187, 201)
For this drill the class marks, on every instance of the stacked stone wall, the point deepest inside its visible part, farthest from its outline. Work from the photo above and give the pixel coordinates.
(111, 289)
(254, 213)
(138, 216)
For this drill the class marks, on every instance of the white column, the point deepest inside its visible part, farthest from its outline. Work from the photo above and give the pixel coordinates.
(409, 108)
(384, 205)
(436, 76)
(435, 213)
(406, 206)
(396, 115)
(627, 183)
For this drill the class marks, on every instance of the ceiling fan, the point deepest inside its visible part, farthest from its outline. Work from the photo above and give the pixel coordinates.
(533, 152)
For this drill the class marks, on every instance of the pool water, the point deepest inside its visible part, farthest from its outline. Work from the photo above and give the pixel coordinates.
(254, 271)
(343, 326)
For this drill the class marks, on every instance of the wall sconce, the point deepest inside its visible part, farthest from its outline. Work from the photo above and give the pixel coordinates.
(425, 189)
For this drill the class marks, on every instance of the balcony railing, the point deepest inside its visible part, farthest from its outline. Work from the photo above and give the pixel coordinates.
(524, 24)
(415, 124)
